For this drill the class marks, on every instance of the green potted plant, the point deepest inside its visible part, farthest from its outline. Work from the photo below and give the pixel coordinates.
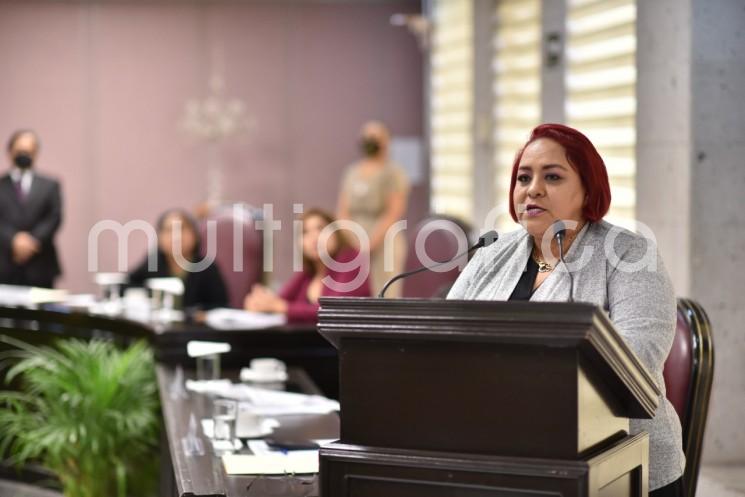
(86, 411)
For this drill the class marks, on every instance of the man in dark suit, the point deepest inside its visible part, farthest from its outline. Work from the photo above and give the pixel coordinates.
(30, 215)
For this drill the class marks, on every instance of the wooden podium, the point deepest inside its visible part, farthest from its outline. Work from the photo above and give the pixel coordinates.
(473, 398)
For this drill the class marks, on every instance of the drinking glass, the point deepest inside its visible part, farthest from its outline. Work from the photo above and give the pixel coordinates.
(208, 367)
(223, 415)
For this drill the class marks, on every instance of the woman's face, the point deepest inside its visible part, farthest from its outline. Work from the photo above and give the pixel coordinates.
(547, 188)
(170, 230)
(312, 227)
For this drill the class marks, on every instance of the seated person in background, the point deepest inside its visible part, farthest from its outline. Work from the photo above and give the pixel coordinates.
(298, 299)
(204, 289)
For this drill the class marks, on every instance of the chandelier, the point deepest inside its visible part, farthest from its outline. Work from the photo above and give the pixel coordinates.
(213, 120)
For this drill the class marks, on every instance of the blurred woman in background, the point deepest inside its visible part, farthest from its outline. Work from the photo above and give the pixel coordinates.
(374, 193)
(298, 298)
(203, 289)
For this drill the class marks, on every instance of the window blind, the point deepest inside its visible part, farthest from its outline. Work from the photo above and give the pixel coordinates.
(601, 90)
(451, 108)
(517, 89)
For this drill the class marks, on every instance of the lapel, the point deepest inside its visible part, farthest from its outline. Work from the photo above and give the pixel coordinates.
(8, 191)
(509, 267)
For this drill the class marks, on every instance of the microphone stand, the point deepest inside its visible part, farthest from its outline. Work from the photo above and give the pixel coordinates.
(560, 239)
(484, 240)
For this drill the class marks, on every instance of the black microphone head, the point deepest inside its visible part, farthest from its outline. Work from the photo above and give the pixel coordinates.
(559, 229)
(488, 238)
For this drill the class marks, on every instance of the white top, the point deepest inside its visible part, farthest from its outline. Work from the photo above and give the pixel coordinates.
(25, 176)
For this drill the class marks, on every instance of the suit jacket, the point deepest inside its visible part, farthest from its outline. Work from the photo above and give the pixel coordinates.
(619, 271)
(40, 214)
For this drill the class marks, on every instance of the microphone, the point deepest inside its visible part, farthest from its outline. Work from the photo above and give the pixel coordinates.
(560, 231)
(484, 241)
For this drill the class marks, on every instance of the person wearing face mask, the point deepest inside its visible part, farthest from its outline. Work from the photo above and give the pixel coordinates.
(30, 215)
(374, 193)
(558, 175)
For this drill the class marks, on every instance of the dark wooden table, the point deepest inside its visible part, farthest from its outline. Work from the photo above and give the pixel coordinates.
(298, 345)
(203, 475)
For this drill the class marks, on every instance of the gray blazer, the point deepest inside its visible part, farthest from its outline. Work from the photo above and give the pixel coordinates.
(619, 271)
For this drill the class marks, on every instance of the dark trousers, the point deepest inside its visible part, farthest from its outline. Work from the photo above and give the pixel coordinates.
(675, 489)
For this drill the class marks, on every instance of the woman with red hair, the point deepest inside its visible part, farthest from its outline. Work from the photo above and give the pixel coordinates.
(559, 184)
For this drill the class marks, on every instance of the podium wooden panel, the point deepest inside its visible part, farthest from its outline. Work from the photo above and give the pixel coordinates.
(484, 398)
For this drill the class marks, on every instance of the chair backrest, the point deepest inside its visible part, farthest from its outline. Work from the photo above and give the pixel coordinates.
(678, 370)
(239, 271)
(688, 373)
(440, 244)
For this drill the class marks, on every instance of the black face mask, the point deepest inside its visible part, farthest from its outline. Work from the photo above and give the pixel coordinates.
(370, 147)
(23, 160)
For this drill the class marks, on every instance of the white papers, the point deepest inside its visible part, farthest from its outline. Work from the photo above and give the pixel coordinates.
(259, 448)
(47, 295)
(226, 445)
(276, 403)
(236, 319)
(266, 402)
(26, 296)
(12, 296)
(81, 300)
(217, 387)
(297, 461)
(265, 428)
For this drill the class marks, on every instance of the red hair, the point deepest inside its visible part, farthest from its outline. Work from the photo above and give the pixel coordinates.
(583, 157)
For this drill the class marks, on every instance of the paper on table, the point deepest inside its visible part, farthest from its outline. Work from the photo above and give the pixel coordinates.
(12, 296)
(24, 296)
(276, 403)
(217, 387)
(266, 402)
(298, 461)
(84, 300)
(266, 427)
(47, 295)
(236, 319)
(259, 447)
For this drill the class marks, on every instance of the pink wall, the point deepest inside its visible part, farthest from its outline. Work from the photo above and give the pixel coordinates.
(104, 84)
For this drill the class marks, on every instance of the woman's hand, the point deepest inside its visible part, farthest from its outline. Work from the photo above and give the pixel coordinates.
(262, 299)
